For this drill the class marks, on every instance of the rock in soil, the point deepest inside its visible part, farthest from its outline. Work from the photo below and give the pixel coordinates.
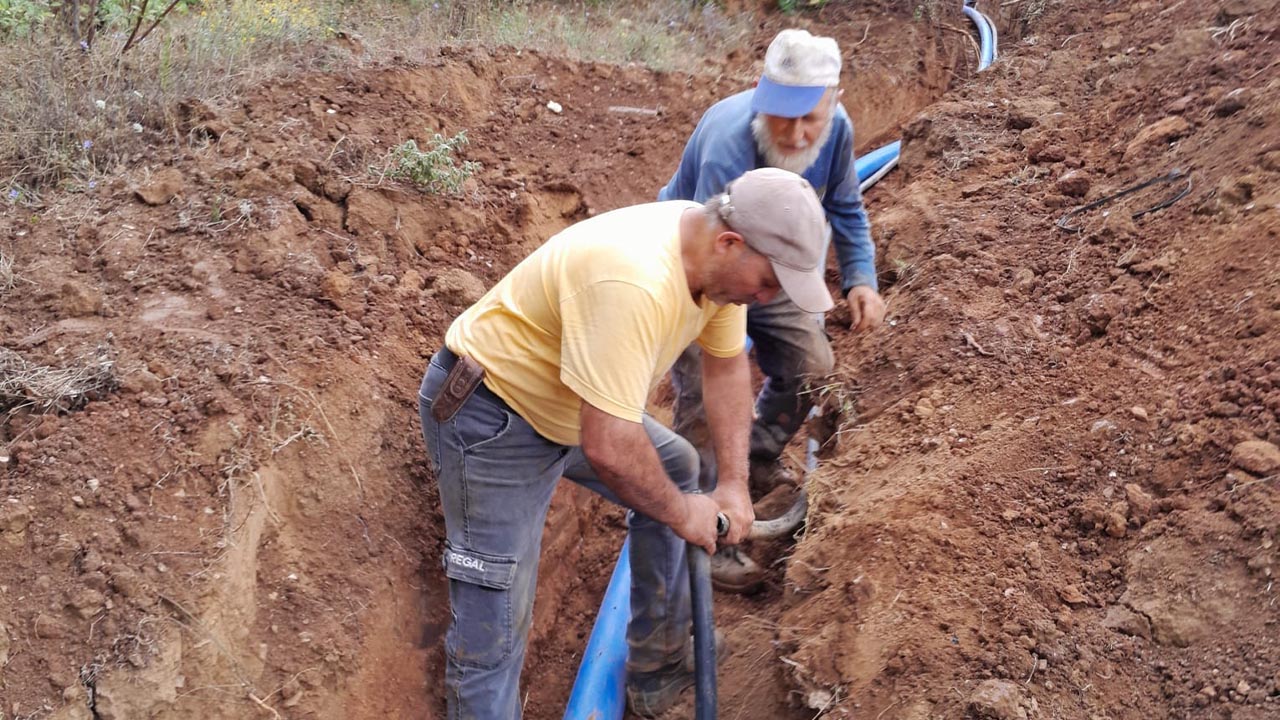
(1122, 619)
(999, 700)
(456, 286)
(162, 187)
(1256, 456)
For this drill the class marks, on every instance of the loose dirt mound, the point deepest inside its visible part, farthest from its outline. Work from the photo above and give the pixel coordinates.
(1058, 500)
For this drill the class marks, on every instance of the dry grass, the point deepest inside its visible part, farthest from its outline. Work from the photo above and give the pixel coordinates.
(663, 34)
(68, 115)
(9, 277)
(71, 115)
(41, 388)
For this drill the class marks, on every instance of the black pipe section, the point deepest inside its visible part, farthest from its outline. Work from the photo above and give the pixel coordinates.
(704, 632)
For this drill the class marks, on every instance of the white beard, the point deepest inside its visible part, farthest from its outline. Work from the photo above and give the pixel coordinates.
(796, 162)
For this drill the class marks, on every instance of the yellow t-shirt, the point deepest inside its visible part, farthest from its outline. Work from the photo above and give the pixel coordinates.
(598, 314)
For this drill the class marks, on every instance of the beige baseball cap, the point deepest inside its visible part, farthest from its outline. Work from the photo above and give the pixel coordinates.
(779, 216)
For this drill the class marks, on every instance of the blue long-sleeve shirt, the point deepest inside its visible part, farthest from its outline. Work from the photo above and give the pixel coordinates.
(722, 148)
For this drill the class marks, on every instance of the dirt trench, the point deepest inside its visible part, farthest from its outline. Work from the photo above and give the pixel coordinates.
(242, 525)
(1056, 498)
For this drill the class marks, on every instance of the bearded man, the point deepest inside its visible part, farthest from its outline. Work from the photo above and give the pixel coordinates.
(792, 120)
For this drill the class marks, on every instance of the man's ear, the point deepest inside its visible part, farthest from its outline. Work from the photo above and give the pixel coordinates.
(726, 240)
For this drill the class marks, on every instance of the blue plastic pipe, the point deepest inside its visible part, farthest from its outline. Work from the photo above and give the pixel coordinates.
(986, 33)
(599, 690)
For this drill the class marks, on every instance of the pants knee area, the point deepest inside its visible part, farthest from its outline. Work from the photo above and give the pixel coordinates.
(818, 363)
(681, 462)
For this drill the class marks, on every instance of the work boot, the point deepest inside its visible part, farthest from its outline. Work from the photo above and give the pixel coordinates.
(767, 475)
(652, 694)
(735, 572)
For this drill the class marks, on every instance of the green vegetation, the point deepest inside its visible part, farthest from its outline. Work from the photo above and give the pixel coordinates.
(434, 170)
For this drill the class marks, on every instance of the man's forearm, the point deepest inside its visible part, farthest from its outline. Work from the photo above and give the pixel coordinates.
(727, 398)
(855, 252)
(625, 460)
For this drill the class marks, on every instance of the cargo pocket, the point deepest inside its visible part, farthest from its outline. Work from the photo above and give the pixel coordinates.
(482, 634)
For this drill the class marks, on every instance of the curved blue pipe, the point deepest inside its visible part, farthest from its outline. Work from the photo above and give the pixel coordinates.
(986, 33)
(599, 692)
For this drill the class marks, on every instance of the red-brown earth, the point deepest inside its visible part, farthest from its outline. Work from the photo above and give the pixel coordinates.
(1055, 496)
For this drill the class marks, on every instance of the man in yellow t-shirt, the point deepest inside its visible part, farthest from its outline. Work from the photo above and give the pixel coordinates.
(572, 342)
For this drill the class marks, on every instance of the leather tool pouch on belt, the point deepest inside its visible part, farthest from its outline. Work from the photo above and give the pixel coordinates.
(463, 379)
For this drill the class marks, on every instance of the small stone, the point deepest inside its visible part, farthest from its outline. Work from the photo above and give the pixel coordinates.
(1161, 132)
(335, 285)
(126, 582)
(133, 502)
(1209, 691)
(79, 300)
(1243, 687)
(1102, 426)
(1232, 103)
(998, 700)
(1101, 309)
(162, 187)
(1256, 456)
(1224, 408)
(456, 286)
(91, 561)
(47, 627)
(142, 381)
(1141, 504)
(1139, 412)
(410, 282)
(1181, 105)
(1238, 190)
(1117, 525)
(1046, 153)
(14, 520)
(1074, 183)
(1071, 595)
(87, 602)
(924, 408)
(1124, 620)
(4, 645)
(555, 107)
(153, 401)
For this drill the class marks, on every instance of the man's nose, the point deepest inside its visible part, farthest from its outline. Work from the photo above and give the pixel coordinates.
(795, 133)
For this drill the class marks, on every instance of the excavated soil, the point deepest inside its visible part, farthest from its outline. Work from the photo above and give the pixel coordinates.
(1053, 496)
